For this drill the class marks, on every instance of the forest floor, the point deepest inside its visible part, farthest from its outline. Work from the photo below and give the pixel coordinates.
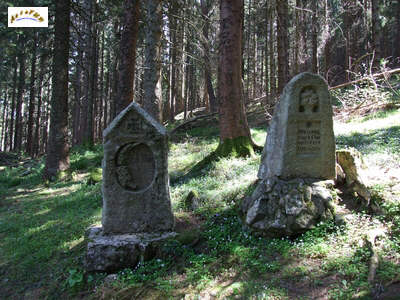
(42, 228)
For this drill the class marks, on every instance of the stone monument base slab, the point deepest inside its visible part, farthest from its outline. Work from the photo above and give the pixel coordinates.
(280, 208)
(109, 253)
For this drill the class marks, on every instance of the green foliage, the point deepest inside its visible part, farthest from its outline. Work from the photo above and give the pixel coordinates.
(75, 278)
(42, 233)
(380, 140)
(84, 158)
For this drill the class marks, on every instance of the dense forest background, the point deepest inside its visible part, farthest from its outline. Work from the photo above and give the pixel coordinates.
(176, 45)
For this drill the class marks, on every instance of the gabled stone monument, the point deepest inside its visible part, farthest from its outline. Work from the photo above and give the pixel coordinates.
(136, 205)
(297, 164)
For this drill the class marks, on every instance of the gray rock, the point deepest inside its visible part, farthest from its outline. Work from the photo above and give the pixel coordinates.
(279, 208)
(300, 140)
(350, 160)
(135, 175)
(109, 253)
(137, 214)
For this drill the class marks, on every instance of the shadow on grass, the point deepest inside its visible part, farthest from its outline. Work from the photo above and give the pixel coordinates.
(204, 133)
(376, 141)
(42, 237)
(229, 262)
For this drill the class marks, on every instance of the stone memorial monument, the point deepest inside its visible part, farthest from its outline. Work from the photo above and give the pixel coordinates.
(136, 205)
(297, 163)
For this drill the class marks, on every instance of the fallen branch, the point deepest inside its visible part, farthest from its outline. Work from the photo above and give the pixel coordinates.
(370, 239)
(366, 78)
(184, 124)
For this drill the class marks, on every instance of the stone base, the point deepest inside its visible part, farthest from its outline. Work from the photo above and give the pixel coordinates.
(279, 208)
(109, 253)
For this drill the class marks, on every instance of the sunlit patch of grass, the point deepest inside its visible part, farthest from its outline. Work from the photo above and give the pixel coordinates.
(42, 229)
(367, 124)
(42, 232)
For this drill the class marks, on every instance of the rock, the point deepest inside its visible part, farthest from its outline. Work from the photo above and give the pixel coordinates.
(353, 166)
(340, 175)
(300, 140)
(109, 253)
(110, 278)
(135, 174)
(192, 201)
(297, 164)
(279, 208)
(137, 214)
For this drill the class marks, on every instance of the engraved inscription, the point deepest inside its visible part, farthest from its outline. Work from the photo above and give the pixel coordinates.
(309, 102)
(308, 138)
(134, 125)
(135, 167)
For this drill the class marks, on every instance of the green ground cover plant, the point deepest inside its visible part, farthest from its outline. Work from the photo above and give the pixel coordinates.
(42, 227)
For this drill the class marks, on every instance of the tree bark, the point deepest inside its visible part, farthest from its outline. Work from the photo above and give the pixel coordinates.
(3, 140)
(283, 43)
(57, 158)
(235, 135)
(18, 107)
(152, 74)
(42, 64)
(375, 30)
(29, 142)
(12, 113)
(266, 52)
(314, 62)
(205, 9)
(127, 54)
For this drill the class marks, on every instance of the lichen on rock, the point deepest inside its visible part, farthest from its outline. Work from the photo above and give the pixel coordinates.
(280, 207)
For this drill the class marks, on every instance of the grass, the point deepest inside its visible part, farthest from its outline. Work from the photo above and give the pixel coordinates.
(42, 230)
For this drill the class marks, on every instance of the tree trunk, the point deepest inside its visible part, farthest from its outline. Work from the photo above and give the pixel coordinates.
(266, 52)
(57, 158)
(102, 102)
(91, 75)
(107, 94)
(283, 43)
(3, 143)
(152, 74)
(18, 107)
(235, 135)
(375, 30)
(42, 66)
(272, 66)
(12, 113)
(45, 132)
(76, 119)
(172, 55)
(397, 46)
(127, 54)
(29, 142)
(114, 84)
(314, 62)
(205, 9)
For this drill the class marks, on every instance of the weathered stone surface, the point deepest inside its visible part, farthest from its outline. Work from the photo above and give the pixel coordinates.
(300, 140)
(340, 175)
(280, 208)
(350, 160)
(109, 253)
(135, 175)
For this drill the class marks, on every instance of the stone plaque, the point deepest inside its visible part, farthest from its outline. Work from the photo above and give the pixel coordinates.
(135, 175)
(300, 140)
(308, 138)
(135, 167)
